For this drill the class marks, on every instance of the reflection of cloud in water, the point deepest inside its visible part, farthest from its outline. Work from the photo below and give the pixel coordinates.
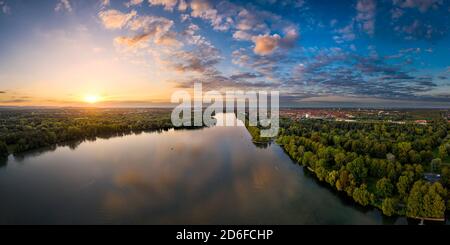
(197, 185)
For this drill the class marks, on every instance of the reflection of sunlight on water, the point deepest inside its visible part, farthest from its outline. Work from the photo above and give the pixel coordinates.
(228, 119)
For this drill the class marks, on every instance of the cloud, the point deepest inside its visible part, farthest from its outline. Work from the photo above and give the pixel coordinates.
(132, 41)
(245, 75)
(150, 24)
(133, 3)
(4, 7)
(182, 6)
(396, 13)
(242, 35)
(168, 4)
(420, 30)
(290, 38)
(266, 44)
(345, 34)
(335, 72)
(105, 3)
(146, 28)
(201, 60)
(114, 19)
(422, 5)
(366, 15)
(63, 5)
(14, 101)
(286, 3)
(205, 10)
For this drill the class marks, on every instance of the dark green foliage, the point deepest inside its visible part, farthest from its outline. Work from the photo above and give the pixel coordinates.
(362, 195)
(426, 200)
(374, 163)
(384, 188)
(388, 206)
(25, 130)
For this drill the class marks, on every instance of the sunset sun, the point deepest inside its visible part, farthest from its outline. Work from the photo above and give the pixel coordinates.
(91, 99)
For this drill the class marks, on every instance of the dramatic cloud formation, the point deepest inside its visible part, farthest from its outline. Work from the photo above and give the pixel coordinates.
(309, 50)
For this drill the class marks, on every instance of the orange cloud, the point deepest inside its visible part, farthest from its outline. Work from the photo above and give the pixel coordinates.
(114, 19)
(266, 44)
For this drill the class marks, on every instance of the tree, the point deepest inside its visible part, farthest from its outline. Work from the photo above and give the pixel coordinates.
(426, 200)
(403, 185)
(362, 196)
(332, 177)
(357, 169)
(443, 151)
(321, 172)
(3, 150)
(388, 206)
(403, 149)
(414, 157)
(426, 157)
(343, 180)
(384, 188)
(339, 159)
(436, 165)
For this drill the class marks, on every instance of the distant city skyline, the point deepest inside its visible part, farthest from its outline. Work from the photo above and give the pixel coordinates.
(136, 53)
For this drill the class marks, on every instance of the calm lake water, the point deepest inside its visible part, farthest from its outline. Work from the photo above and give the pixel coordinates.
(208, 176)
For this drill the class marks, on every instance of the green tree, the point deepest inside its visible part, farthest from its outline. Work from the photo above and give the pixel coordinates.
(332, 177)
(414, 157)
(384, 188)
(443, 151)
(426, 200)
(362, 196)
(388, 206)
(403, 185)
(343, 180)
(357, 169)
(339, 159)
(403, 149)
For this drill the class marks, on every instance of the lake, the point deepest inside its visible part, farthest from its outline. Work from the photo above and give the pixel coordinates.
(207, 176)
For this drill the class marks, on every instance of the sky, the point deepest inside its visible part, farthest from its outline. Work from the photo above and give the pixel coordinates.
(138, 52)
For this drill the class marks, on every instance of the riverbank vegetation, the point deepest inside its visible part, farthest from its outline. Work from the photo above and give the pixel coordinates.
(402, 169)
(22, 130)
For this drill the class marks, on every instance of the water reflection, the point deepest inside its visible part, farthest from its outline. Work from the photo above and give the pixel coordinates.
(209, 176)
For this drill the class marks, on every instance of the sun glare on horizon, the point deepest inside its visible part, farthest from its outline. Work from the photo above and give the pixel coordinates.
(92, 99)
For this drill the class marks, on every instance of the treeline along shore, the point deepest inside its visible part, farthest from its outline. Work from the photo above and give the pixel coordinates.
(22, 130)
(402, 169)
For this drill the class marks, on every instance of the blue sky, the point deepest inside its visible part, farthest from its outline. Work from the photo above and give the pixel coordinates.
(374, 52)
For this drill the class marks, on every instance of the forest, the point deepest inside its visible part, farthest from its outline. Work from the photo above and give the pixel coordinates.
(22, 130)
(402, 169)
